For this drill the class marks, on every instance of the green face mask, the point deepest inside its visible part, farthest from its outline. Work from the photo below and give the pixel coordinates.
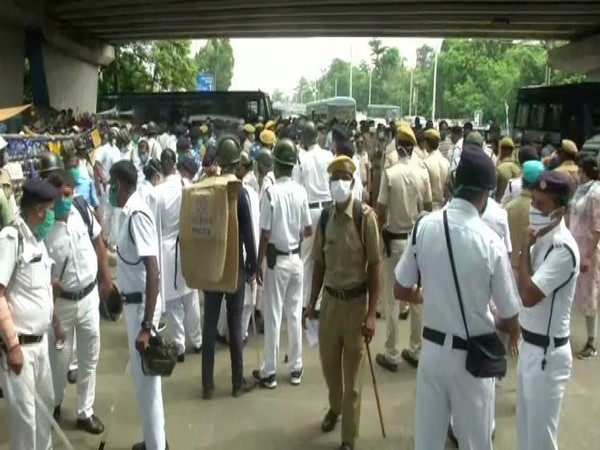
(113, 198)
(76, 174)
(42, 229)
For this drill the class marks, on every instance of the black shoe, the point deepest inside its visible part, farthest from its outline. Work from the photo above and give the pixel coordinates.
(404, 315)
(269, 382)
(72, 376)
(222, 339)
(248, 385)
(92, 425)
(296, 377)
(56, 414)
(346, 446)
(181, 358)
(406, 356)
(383, 362)
(197, 350)
(142, 446)
(451, 437)
(207, 394)
(329, 422)
(1, 393)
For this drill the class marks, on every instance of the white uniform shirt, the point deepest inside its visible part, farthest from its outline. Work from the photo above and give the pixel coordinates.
(251, 182)
(454, 155)
(145, 189)
(550, 273)
(70, 247)
(482, 265)
(131, 278)
(496, 218)
(155, 148)
(284, 212)
(255, 213)
(312, 173)
(27, 279)
(107, 155)
(165, 202)
(268, 181)
(513, 190)
(164, 140)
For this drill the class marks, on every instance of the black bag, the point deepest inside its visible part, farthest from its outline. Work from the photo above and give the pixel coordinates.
(271, 256)
(486, 355)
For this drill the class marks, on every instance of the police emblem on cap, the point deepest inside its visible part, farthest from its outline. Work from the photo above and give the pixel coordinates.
(543, 185)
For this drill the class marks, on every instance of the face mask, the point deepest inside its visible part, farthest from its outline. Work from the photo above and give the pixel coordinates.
(62, 207)
(539, 221)
(75, 174)
(340, 190)
(42, 229)
(135, 139)
(113, 198)
(113, 142)
(381, 136)
(144, 158)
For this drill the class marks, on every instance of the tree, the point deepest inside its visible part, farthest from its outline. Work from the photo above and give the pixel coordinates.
(278, 96)
(216, 58)
(149, 66)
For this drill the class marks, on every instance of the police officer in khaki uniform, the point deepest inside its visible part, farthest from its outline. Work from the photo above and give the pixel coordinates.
(347, 266)
(567, 155)
(507, 167)
(405, 191)
(249, 131)
(437, 166)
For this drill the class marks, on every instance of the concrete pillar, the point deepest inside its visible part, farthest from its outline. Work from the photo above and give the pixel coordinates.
(12, 62)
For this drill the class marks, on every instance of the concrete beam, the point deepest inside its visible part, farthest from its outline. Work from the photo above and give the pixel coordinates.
(100, 55)
(578, 56)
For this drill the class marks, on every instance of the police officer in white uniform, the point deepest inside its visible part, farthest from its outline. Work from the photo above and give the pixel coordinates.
(76, 262)
(25, 317)
(284, 221)
(548, 270)
(106, 157)
(138, 280)
(311, 173)
(183, 309)
(444, 386)
(496, 218)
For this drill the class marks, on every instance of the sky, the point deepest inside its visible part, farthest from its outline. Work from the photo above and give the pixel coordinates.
(306, 57)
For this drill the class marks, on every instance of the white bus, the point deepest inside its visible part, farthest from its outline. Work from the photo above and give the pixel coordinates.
(341, 108)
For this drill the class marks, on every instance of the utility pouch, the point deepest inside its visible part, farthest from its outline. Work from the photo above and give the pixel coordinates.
(271, 256)
(387, 242)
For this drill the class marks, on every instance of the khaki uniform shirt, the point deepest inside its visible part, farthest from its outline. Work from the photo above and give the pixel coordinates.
(342, 250)
(417, 151)
(571, 169)
(390, 155)
(405, 189)
(438, 168)
(507, 170)
(518, 222)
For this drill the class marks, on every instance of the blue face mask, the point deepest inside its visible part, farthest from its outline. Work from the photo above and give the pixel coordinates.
(62, 207)
(144, 158)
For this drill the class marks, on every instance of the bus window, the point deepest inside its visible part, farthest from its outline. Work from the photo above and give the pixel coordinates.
(252, 108)
(536, 118)
(553, 117)
(522, 116)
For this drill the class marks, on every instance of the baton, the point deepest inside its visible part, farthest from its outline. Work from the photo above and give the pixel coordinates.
(112, 412)
(376, 391)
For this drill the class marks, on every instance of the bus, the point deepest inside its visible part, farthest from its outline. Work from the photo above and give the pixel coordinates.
(341, 108)
(570, 111)
(385, 112)
(174, 107)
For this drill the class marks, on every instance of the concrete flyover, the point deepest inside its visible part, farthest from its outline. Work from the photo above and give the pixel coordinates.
(81, 31)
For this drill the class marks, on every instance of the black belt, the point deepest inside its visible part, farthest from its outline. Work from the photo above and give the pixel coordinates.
(347, 294)
(134, 298)
(315, 205)
(24, 339)
(293, 252)
(438, 337)
(396, 236)
(76, 296)
(543, 341)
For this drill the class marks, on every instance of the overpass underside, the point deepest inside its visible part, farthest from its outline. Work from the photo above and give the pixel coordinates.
(67, 40)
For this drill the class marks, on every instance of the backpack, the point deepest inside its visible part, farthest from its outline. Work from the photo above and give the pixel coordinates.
(357, 215)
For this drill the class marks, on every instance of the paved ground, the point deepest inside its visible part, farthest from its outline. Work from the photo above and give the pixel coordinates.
(289, 417)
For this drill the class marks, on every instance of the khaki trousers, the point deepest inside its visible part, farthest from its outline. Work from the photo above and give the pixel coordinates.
(342, 351)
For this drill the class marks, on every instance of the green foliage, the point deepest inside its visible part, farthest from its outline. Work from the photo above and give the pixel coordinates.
(216, 58)
(473, 74)
(149, 66)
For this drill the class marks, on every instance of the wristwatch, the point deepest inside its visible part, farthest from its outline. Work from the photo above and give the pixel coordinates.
(146, 325)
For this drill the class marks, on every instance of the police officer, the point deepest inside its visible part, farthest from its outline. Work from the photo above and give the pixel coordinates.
(77, 256)
(404, 193)
(311, 173)
(444, 387)
(507, 166)
(264, 163)
(249, 131)
(284, 220)
(138, 280)
(182, 306)
(437, 166)
(25, 317)
(228, 156)
(565, 158)
(548, 270)
(347, 264)
(48, 163)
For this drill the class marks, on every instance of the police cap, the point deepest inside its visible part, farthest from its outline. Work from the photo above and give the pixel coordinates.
(342, 163)
(555, 183)
(507, 143)
(267, 137)
(285, 153)
(248, 128)
(405, 133)
(569, 147)
(38, 189)
(432, 133)
(475, 171)
(228, 151)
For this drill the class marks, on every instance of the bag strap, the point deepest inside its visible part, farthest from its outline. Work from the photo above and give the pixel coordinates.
(357, 215)
(131, 237)
(82, 207)
(449, 246)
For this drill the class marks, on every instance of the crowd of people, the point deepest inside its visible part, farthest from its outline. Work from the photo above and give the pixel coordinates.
(340, 223)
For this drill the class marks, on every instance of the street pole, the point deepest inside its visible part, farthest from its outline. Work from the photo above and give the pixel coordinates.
(435, 65)
(410, 95)
(335, 88)
(370, 84)
(350, 71)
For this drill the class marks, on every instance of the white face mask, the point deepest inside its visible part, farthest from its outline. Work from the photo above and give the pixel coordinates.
(538, 220)
(340, 190)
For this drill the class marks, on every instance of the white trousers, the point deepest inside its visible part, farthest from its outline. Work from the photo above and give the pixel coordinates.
(183, 314)
(306, 249)
(148, 389)
(83, 316)
(283, 291)
(250, 298)
(540, 394)
(28, 420)
(445, 388)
